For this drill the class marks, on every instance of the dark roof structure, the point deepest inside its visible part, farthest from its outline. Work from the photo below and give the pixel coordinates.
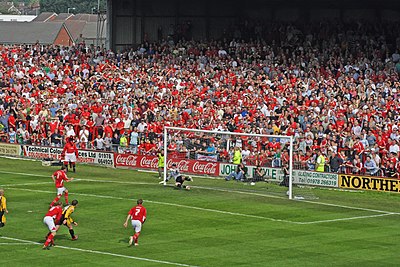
(63, 17)
(46, 27)
(75, 28)
(29, 33)
(85, 17)
(90, 31)
(45, 16)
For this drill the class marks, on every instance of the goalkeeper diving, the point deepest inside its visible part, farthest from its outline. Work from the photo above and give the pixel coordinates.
(178, 178)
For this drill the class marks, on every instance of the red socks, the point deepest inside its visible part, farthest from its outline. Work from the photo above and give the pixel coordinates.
(136, 237)
(48, 240)
(55, 200)
(66, 197)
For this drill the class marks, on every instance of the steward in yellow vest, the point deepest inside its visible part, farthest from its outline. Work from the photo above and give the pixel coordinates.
(237, 156)
(320, 166)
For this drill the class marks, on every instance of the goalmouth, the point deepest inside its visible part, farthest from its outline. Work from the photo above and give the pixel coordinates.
(217, 146)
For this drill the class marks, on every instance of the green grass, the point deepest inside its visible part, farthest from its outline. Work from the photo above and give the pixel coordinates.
(217, 223)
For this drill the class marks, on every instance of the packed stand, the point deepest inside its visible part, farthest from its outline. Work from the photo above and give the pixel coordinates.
(333, 87)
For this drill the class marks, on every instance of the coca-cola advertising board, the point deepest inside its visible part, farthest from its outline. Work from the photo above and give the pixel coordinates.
(85, 156)
(136, 161)
(151, 162)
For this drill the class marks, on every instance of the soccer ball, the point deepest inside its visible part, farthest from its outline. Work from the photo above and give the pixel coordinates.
(252, 183)
(187, 187)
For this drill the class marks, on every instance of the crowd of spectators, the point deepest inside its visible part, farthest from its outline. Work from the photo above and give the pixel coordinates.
(332, 86)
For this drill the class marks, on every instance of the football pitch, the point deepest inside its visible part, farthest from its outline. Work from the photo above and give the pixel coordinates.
(216, 223)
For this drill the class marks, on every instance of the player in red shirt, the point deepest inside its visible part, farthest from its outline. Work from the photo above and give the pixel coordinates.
(58, 178)
(70, 154)
(52, 218)
(138, 216)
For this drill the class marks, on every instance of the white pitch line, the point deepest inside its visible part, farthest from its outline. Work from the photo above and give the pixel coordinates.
(13, 244)
(26, 174)
(101, 252)
(161, 203)
(350, 207)
(26, 184)
(229, 191)
(212, 210)
(307, 201)
(347, 219)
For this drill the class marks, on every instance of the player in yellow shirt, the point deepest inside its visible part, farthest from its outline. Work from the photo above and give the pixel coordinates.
(3, 208)
(67, 220)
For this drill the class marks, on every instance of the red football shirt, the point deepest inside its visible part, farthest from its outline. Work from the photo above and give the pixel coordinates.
(70, 148)
(60, 177)
(138, 213)
(55, 212)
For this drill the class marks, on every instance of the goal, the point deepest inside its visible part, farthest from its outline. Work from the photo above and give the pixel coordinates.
(214, 154)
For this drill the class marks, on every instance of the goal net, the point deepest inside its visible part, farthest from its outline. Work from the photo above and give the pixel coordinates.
(214, 157)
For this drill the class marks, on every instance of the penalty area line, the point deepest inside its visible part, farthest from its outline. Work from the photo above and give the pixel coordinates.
(13, 244)
(347, 219)
(4, 185)
(212, 210)
(161, 203)
(99, 252)
(303, 201)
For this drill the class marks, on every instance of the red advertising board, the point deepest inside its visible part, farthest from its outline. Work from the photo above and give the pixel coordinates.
(151, 162)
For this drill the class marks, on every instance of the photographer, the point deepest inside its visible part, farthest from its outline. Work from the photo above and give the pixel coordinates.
(285, 170)
(239, 174)
(259, 174)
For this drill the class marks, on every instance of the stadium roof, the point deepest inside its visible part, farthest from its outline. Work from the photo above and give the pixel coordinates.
(327, 3)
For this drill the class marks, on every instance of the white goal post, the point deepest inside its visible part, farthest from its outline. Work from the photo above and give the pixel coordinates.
(170, 133)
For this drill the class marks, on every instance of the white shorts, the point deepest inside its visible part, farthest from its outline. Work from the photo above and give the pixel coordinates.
(70, 157)
(137, 225)
(49, 222)
(61, 190)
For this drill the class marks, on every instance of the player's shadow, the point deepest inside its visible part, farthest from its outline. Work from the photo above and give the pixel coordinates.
(63, 236)
(123, 240)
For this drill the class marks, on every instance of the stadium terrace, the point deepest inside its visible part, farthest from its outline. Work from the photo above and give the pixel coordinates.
(312, 82)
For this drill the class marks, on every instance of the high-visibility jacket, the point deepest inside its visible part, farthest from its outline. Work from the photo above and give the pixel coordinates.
(237, 157)
(320, 164)
(160, 161)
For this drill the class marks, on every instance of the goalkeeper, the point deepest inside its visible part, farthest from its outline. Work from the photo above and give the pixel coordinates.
(178, 177)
